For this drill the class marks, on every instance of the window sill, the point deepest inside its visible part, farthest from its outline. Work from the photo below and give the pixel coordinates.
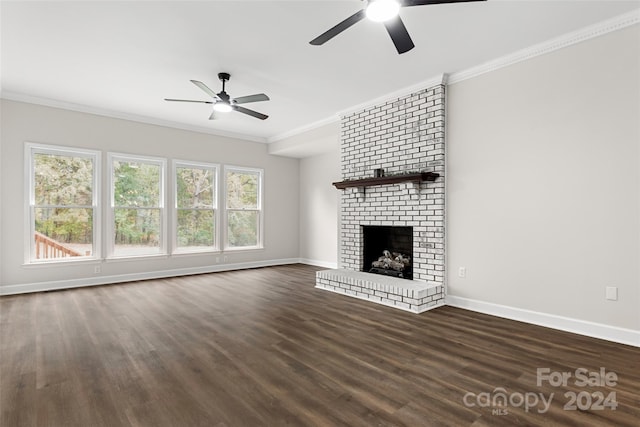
(62, 262)
(201, 252)
(97, 261)
(136, 258)
(244, 249)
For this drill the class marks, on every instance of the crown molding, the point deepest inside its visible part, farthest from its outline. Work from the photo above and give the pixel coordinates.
(441, 79)
(614, 24)
(14, 96)
(596, 30)
(303, 129)
(438, 80)
(433, 81)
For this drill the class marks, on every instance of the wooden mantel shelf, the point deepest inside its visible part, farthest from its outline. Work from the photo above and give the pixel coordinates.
(383, 180)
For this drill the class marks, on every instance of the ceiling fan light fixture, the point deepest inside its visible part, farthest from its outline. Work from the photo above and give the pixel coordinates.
(222, 107)
(382, 10)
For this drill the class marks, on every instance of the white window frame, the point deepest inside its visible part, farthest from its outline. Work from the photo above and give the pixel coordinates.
(175, 164)
(29, 249)
(110, 226)
(259, 209)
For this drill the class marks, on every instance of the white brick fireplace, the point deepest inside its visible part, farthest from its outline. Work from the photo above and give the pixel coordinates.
(403, 137)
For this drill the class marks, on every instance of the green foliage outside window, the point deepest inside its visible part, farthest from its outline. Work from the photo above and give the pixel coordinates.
(136, 184)
(63, 192)
(136, 198)
(243, 228)
(242, 208)
(195, 192)
(242, 190)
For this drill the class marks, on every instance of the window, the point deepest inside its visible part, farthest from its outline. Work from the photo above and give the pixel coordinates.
(63, 208)
(243, 206)
(196, 204)
(137, 206)
(63, 195)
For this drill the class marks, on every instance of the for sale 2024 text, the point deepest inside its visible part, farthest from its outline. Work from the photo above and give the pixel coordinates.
(582, 377)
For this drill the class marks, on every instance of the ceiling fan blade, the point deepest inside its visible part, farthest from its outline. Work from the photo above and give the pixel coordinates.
(399, 34)
(251, 98)
(250, 112)
(187, 100)
(407, 3)
(205, 88)
(213, 115)
(331, 33)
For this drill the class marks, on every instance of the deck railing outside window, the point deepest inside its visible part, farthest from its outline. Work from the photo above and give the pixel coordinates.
(46, 247)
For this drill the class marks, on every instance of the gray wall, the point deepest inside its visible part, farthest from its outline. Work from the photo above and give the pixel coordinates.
(319, 152)
(543, 184)
(22, 122)
(319, 207)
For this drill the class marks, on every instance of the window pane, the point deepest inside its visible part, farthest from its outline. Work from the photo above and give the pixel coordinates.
(195, 187)
(137, 231)
(195, 228)
(242, 190)
(63, 180)
(136, 184)
(242, 228)
(63, 232)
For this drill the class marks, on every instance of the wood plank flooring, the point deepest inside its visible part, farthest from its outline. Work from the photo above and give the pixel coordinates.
(262, 347)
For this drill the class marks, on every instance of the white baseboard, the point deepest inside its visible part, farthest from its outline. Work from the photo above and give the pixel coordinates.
(576, 326)
(119, 278)
(317, 263)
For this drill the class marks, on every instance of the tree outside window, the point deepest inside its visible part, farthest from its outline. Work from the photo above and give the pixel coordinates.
(137, 206)
(62, 203)
(196, 205)
(243, 207)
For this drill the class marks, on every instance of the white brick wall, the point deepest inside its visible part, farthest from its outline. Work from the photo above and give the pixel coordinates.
(401, 136)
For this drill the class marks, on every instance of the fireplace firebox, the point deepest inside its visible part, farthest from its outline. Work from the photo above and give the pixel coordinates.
(388, 250)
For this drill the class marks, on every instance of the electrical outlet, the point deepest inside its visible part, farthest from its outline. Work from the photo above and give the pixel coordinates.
(462, 272)
(612, 293)
(97, 269)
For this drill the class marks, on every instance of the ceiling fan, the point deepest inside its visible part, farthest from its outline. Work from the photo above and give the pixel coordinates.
(223, 103)
(385, 11)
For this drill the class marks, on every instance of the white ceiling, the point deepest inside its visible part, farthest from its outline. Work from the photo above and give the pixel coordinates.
(123, 58)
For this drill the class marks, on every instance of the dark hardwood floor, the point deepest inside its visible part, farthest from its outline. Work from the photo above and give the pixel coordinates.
(264, 348)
